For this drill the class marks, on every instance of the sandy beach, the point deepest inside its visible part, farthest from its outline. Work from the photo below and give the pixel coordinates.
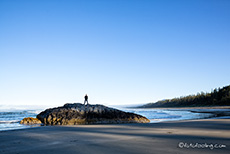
(191, 136)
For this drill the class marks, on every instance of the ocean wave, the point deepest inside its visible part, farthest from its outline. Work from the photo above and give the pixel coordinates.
(13, 113)
(35, 111)
(9, 122)
(29, 112)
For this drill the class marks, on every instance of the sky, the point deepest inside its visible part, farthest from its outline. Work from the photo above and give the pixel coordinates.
(118, 52)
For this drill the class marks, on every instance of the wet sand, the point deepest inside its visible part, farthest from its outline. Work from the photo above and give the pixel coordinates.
(123, 138)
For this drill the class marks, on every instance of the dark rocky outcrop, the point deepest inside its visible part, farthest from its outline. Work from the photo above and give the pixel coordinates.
(77, 113)
(30, 121)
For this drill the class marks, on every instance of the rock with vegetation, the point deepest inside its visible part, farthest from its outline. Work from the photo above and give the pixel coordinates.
(30, 121)
(77, 113)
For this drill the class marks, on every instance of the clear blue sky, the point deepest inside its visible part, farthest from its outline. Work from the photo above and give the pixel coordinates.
(116, 51)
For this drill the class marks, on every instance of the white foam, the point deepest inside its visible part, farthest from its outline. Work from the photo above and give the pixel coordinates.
(9, 122)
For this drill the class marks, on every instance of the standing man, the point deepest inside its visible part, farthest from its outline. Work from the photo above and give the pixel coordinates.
(86, 100)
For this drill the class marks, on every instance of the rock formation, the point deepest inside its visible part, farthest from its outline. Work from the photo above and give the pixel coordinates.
(77, 113)
(30, 121)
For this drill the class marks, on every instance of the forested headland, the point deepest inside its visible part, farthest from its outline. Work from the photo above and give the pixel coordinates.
(218, 97)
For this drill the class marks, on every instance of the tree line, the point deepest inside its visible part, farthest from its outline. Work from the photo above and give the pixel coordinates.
(218, 97)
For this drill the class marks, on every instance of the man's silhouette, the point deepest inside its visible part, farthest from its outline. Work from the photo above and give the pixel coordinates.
(86, 100)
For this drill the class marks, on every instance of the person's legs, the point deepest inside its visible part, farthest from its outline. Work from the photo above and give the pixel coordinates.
(86, 102)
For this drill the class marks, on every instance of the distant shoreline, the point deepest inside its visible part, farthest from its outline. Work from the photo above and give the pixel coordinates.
(217, 97)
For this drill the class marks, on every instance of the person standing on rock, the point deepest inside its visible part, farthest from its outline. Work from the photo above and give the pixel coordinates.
(86, 100)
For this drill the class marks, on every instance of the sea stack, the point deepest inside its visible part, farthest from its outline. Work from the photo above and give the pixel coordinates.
(77, 113)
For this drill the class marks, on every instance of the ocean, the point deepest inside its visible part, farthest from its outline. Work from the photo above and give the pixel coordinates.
(10, 118)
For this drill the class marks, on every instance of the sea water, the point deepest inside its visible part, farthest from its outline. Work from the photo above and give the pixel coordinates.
(10, 118)
(160, 115)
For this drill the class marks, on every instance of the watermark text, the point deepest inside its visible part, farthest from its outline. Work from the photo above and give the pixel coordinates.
(201, 145)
